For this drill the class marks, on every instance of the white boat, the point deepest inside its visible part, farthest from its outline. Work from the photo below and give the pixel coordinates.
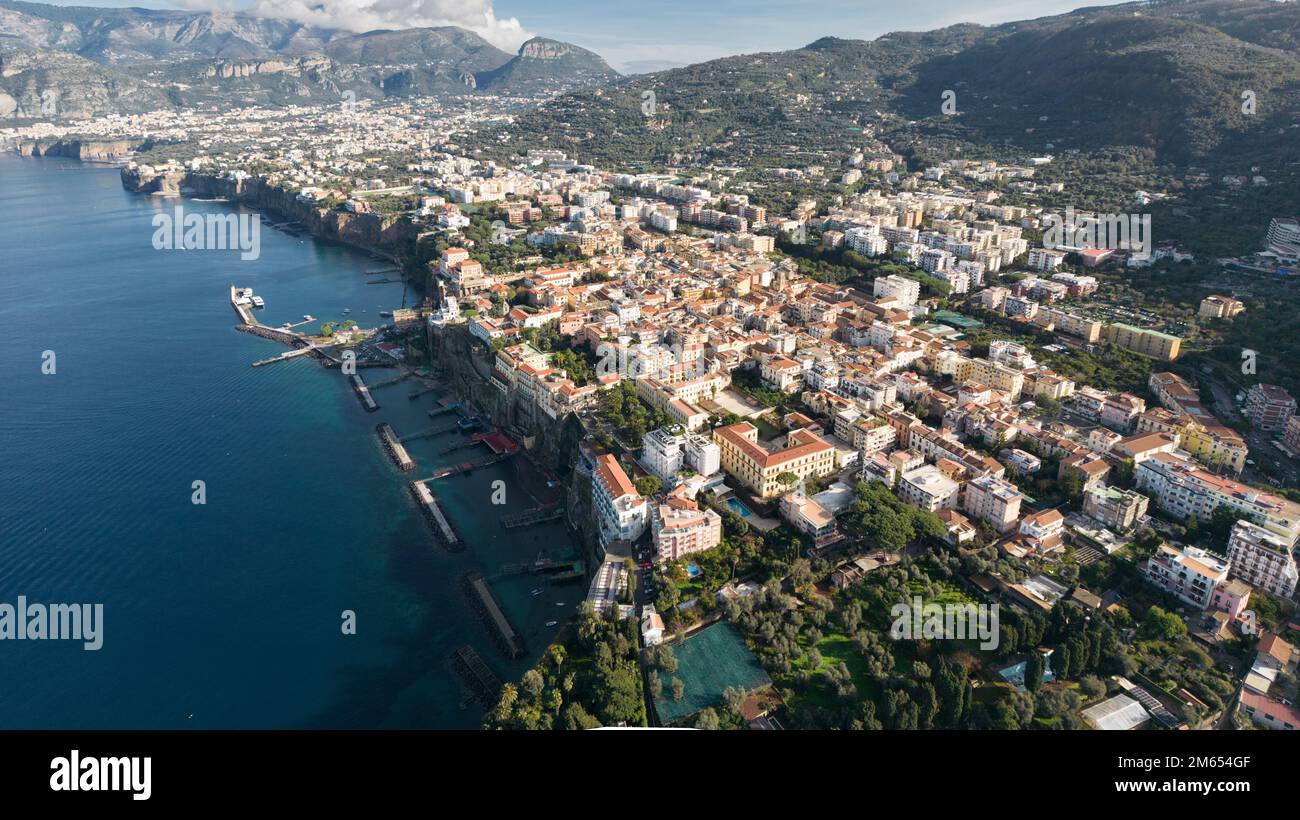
(552, 623)
(537, 591)
(258, 302)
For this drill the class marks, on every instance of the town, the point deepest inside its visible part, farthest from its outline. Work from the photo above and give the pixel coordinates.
(791, 421)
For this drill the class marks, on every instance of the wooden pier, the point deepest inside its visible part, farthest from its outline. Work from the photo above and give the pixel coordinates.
(431, 432)
(392, 381)
(537, 515)
(468, 467)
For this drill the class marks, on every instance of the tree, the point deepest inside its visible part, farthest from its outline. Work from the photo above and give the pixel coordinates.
(648, 485)
(679, 688)
(787, 479)
(708, 720)
(1033, 671)
(1162, 626)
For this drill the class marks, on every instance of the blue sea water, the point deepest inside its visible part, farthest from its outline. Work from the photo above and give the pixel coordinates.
(226, 614)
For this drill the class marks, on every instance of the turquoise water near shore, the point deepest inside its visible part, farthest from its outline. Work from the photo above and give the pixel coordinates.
(223, 615)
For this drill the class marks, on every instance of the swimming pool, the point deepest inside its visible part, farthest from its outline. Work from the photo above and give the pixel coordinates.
(738, 508)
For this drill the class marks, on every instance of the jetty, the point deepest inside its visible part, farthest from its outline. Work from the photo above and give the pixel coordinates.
(476, 675)
(291, 354)
(446, 408)
(394, 447)
(363, 393)
(433, 514)
(485, 602)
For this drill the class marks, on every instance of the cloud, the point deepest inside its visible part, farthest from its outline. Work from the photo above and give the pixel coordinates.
(367, 15)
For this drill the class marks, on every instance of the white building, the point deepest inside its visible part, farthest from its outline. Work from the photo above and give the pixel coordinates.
(1262, 559)
(906, 291)
(1190, 574)
(928, 488)
(621, 512)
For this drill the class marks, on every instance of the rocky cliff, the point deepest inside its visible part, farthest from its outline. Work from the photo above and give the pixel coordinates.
(392, 234)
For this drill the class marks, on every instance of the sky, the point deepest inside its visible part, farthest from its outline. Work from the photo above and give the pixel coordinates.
(644, 35)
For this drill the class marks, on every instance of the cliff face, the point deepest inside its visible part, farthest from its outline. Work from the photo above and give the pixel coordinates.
(87, 151)
(395, 234)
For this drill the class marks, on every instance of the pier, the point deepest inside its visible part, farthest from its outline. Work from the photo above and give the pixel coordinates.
(447, 408)
(424, 391)
(547, 512)
(392, 381)
(490, 611)
(433, 514)
(363, 393)
(292, 354)
(431, 432)
(468, 467)
(395, 448)
(476, 675)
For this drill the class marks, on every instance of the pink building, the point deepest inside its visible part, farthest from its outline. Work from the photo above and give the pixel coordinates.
(680, 528)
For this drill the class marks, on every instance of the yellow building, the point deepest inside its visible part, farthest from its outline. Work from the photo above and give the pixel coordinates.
(1150, 343)
(743, 458)
(998, 376)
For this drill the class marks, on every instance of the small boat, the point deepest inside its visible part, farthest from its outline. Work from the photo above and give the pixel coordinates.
(259, 302)
(552, 623)
(537, 591)
(346, 311)
(559, 603)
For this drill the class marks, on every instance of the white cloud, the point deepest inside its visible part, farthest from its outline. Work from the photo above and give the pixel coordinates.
(367, 15)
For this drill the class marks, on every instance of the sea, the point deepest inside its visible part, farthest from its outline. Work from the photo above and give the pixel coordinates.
(125, 383)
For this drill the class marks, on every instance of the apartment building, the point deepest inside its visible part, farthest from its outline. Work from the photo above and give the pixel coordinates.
(1219, 307)
(1190, 574)
(1150, 343)
(680, 528)
(1116, 508)
(805, 454)
(1269, 407)
(1263, 559)
(994, 501)
(928, 488)
(1183, 489)
(621, 513)
(906, 291)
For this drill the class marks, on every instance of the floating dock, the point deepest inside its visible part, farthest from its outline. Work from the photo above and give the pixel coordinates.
(490, 611)
(363, 393)
(433, 514)
(394, 447)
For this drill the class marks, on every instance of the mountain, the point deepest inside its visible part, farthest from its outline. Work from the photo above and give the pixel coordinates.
(450, 47)
(1166, 78)
(130, 35)
(543, 66)
(131, 60)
